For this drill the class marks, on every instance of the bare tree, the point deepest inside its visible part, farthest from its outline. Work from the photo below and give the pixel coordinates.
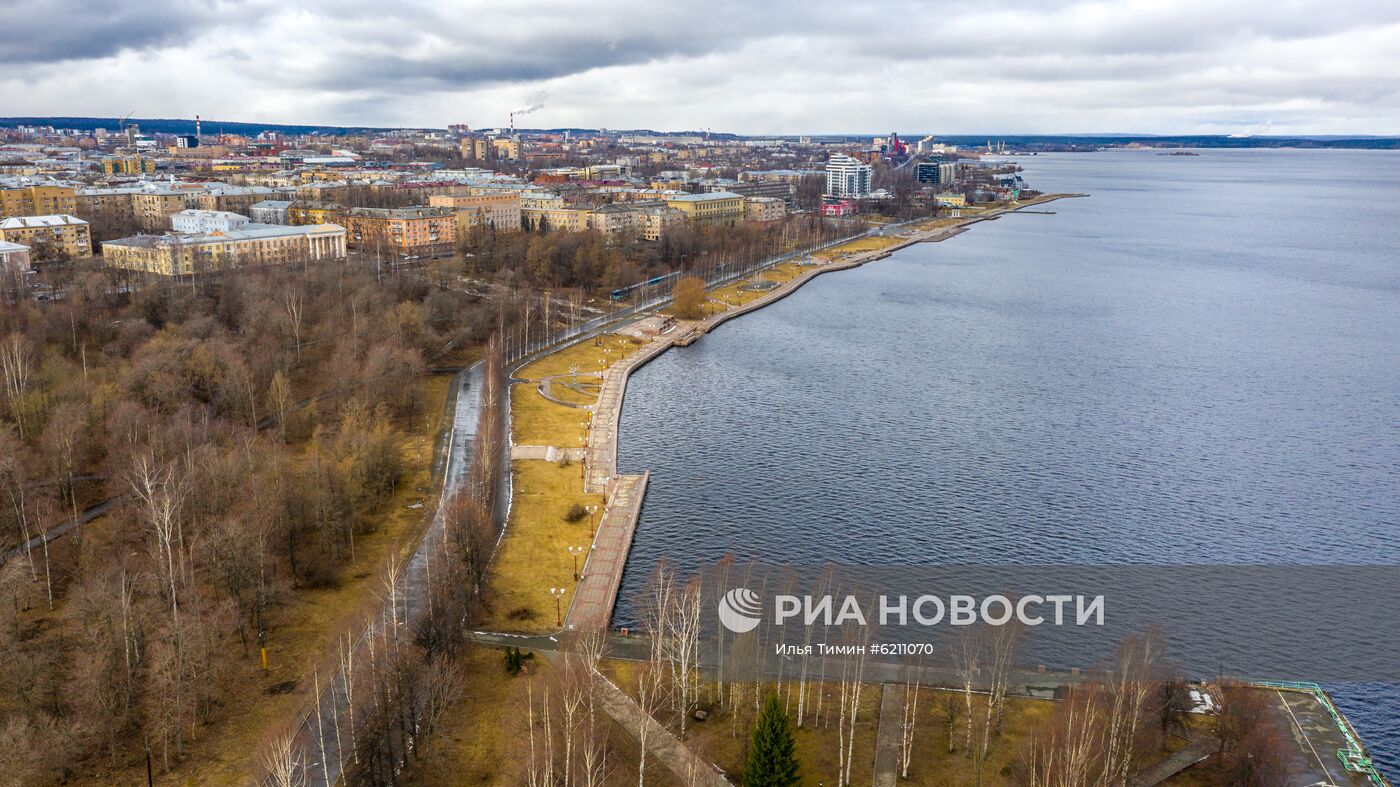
(282, 760)
(16, 365)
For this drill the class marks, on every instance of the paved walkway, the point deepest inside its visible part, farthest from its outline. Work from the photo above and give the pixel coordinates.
(1175, 763)
(688, 767)
(888, 734)
(592, 605)
(602, 438)
(548, 453)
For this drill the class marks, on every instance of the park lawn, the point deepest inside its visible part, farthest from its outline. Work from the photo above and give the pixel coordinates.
(589, 395)
(484, 737)
(303, 626)
(583, 355)
(935, 224)
(534, 554)
(534, 420)
(723, 739)
(722, 299)
(817, 748)
(867, 243)
(932, 765)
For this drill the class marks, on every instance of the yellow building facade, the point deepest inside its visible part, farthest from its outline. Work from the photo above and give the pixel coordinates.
(37, 200)
(64, 234)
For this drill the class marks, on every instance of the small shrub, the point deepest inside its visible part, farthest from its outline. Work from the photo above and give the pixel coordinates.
(576, 513)
(515, 660)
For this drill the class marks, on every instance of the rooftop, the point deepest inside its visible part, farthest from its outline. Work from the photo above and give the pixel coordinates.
(55, 220)
(710, 197)
(247, 232)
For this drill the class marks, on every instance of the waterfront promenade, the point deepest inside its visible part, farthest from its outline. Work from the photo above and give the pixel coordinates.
(602, 573)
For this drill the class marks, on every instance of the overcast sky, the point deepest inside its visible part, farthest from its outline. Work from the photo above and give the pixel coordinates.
(763, 66)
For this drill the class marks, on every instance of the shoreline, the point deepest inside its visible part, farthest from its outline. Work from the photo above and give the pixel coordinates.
(601, 575)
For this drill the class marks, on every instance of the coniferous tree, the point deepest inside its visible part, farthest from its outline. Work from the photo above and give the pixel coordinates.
(772, 759)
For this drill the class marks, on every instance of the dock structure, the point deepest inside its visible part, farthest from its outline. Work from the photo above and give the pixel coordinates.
(593, 603)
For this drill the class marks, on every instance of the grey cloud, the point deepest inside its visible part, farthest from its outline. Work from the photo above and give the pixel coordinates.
(42, 31)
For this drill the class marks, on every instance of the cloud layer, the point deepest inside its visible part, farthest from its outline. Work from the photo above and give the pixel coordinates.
(1150, 66)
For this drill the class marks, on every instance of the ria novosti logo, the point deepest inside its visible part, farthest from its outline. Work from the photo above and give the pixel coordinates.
(740, 610)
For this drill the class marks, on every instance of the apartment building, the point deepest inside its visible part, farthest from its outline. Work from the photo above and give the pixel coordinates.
(253, 245)
(234, 199)
(315, 212)
(847, 177)
(498, 210)
(657, 220)
(19, 198)
(764, 209)
(271, 211)
(152, 208)
(615, 220)
(557, 218)
(14, 258)
(715, 206)
(128, 165)
(407, 232)
(64, 234)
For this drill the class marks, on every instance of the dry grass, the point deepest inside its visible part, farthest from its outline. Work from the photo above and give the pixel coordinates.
(723, 737)
(932, 764)
(562, 389)
(485, 737)
(867, 243)
(584, 356)
(534, 420)
(534, 555)
(733, 295)
(482, 740)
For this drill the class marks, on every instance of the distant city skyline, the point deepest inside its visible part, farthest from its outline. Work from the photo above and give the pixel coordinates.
(1058, 67)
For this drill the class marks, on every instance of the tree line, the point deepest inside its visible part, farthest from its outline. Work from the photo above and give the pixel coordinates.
(242, 434)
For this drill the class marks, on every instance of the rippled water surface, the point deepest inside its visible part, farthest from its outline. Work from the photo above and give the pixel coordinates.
(1198, 364)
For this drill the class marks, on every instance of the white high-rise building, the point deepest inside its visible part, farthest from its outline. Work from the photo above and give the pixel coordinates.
(846, 177)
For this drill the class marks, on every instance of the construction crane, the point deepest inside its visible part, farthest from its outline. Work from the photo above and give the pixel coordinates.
(121, 124)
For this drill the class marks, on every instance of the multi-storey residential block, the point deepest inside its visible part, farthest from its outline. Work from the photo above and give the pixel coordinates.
(20, 198)
(714, 206)
(764, 209)
(314, 212)
(63, 234)
(498, 210)
(153, 207)
(614, 220)
(846, 177)
(251, 246)
(506, 148)
(657, 220)
(128, 165)
(235, 199)
(408, 232)
(14, 258)
(270, 211)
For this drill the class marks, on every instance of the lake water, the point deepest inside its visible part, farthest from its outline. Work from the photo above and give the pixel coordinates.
(1200, 363)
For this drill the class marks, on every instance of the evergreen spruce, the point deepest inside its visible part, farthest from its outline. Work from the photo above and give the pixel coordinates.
(772, 761)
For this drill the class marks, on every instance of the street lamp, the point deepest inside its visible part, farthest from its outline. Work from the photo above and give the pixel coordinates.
(575, 551)
(593, 518)
(558, 594)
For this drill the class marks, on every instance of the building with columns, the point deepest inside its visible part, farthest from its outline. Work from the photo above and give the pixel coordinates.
(253, 245)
